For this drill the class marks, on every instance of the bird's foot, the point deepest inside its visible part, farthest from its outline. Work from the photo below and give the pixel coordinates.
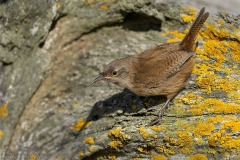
(154, 122)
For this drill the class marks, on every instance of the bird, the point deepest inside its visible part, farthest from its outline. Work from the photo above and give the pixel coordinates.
(160, 70)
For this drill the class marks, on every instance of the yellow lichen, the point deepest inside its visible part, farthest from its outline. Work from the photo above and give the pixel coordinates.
(158, 128)
(115, 144)
(216, 52)
(158, 157)
(3, 110)
(233, 125)
(80, 154)
(104, 7)
(1, 134)
(75, 105)
(226, 142)
(165, 150)
(89, 140)
(198, 157)
(143, 150)
(32, 157)
(111, 157)
(190, 16)
(216, 72)
(212, 105)
(62, 110)
(80, 124)
(58, 5)
(89, 1)
(191, 99)
(213, 139)
(177, 36)
(235, 48)
(118, 137)
(231, 144)
(118, 133)
(107, 156)
(144, 133)
(133, 106)
(187, 18)
(203, 129)
(146, 104)
(90, 149)
(215, 120)
(185, 141)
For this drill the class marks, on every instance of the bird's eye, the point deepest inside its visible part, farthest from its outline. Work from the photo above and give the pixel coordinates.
(114, 73)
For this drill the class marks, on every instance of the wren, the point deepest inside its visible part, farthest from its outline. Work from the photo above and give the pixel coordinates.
(162, 70)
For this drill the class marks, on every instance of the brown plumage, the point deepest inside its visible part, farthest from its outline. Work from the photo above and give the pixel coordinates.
(162, 70)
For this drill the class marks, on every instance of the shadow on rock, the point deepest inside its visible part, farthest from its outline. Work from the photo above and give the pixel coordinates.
(124, 103)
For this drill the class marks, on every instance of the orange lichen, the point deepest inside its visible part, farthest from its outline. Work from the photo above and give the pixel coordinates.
(3, 110)
(89, 140)
(144, 133)
(198, 157)
(158, 157)
(80, 124)
(203, 129)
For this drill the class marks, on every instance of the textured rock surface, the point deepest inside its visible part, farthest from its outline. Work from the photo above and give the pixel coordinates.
(50, 55)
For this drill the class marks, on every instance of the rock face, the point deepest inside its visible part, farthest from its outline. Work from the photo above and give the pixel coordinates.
(51, 51)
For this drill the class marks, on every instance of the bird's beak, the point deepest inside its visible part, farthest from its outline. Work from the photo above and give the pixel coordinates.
(99, 78)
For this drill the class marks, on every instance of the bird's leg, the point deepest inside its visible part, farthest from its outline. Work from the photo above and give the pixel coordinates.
(160, 113)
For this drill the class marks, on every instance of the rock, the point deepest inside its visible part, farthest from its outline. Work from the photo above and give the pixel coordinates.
(53, 110)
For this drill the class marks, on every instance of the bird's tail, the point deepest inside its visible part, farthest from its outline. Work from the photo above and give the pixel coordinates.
(189, 41)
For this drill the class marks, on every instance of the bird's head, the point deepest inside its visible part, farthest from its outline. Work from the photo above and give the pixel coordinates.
(116, 72)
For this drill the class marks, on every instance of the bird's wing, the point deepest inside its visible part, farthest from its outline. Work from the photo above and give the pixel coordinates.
(155, 66)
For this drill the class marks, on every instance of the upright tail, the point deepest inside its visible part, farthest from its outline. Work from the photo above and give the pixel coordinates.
(189, 41)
